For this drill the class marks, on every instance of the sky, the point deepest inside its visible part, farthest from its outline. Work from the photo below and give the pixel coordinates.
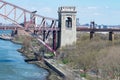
(101, 11)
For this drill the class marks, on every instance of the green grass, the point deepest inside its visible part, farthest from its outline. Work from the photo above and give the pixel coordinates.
(49, 54)
(65, 61)
(83, 75)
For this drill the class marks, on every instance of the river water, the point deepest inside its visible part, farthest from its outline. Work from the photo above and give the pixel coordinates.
(13, 67)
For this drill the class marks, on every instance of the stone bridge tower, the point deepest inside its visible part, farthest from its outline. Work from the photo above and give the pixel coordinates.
(67, 25)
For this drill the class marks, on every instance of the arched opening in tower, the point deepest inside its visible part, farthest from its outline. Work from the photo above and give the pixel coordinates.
(68, 22)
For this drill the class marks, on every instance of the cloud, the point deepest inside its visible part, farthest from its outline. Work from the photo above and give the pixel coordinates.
(33, 8)
(47, 12)
(97, 14)
(90, 11)
(92, 7)
(46, 9)
(43, 9)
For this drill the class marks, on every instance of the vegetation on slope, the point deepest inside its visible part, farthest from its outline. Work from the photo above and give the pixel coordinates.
(98, 56)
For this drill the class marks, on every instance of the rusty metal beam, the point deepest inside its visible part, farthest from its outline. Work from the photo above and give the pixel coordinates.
(10, 12)
(26, 10)
(2, 5)
(11, 20)
(20, 16)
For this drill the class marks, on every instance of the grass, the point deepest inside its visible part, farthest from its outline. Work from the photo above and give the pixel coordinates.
(85, 53)
(65, 61)
(89, 53)
(49, 55)
(88, 77)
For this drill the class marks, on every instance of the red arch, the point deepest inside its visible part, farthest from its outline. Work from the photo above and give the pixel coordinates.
(21, 13)
(11, 20)
(24, 13)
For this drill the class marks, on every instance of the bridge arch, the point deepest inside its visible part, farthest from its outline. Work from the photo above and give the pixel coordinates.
(17, 14)
(11, 20)
(30, 20)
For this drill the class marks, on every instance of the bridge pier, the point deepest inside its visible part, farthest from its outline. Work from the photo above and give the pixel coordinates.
(111, 36)
(44, 35)
(91, 34)
(14, 32)
(54, 40)
(35, 32)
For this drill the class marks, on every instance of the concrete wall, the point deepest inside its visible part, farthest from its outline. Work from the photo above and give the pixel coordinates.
(67, 36)
(54, 69)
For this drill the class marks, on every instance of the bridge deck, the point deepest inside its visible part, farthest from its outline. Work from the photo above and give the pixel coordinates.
(97, 30)
(9, 27)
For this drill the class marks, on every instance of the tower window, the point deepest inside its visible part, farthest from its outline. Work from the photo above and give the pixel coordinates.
(69, 22)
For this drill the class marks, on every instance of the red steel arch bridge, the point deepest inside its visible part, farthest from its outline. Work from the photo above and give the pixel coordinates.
(27, 20)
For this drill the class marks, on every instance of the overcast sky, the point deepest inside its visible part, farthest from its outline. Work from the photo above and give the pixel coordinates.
(101, 11)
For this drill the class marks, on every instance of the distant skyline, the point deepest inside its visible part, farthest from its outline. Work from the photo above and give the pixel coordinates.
(101, 11)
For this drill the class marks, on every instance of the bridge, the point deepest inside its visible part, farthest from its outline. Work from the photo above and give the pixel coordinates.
(62, 31)
(97, 30)
(9, 27)
(93, 29)
(52, 33)
(24, 19)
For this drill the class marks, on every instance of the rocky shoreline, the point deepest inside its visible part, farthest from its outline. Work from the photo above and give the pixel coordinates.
(52, 74)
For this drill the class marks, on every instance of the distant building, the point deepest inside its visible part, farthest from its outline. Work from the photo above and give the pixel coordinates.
(105, 27)
(77, 22)
(99, 27)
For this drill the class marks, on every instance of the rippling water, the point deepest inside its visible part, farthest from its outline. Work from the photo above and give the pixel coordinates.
(13, 67)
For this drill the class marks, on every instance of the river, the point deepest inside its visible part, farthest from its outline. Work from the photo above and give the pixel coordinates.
(13, 66)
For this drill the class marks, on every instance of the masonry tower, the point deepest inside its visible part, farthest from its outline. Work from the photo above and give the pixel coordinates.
(67, 25)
